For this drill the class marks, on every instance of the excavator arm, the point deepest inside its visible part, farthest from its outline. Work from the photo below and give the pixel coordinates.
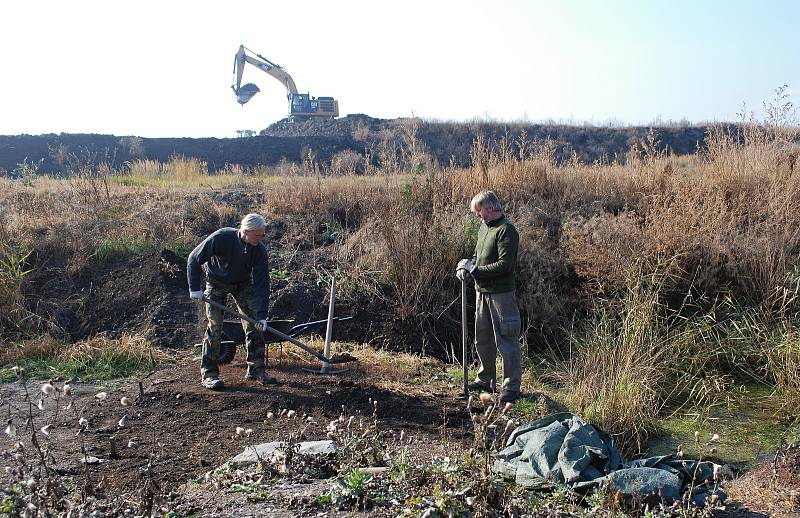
(301, 106)
(245, 92)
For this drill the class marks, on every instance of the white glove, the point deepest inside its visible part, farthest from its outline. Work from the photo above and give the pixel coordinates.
(262, 325)
(464, 266)
(197, 295)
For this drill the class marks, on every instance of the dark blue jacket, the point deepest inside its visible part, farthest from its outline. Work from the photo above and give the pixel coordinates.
(226, 259)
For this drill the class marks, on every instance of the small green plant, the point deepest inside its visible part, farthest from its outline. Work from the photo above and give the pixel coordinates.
(402, 466)
(279, 274)
(350, 491)
(331, 230)
(26, 172)
(111, 250)
(13, 271)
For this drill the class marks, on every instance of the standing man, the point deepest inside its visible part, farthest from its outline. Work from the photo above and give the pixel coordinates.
(235, 263)
(497, 320)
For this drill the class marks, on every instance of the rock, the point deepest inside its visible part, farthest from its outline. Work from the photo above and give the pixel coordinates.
(269, 450)
(91, 460)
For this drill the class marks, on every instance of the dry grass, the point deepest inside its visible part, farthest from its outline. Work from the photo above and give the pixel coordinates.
(772, 488)
(726, 219)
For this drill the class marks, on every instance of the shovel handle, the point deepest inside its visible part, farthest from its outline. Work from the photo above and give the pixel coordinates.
(268, 329)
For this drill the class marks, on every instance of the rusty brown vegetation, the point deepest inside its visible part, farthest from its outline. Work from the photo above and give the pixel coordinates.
(648, 283)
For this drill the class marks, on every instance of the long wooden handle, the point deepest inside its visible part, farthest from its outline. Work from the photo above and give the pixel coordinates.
(268, 329)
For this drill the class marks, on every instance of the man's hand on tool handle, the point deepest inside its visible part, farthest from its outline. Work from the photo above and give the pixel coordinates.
(262, 325)
(197, 295)
(464, 266)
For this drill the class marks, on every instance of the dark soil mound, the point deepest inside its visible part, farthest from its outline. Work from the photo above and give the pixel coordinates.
(141, 294)
(446, 142)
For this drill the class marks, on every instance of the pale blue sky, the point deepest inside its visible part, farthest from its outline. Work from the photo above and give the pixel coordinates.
(164, 68)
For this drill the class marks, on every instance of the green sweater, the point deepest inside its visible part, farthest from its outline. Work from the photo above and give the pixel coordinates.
(496, 256)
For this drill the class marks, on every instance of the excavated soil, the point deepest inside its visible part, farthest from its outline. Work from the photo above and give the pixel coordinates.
(192, 430)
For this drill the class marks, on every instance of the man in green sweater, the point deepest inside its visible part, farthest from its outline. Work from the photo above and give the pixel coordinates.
(235, 263)
(497, 320)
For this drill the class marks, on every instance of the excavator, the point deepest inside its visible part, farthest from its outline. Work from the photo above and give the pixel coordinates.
(302, 107)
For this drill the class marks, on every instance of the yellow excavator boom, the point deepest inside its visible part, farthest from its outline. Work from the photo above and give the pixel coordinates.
(301, 106)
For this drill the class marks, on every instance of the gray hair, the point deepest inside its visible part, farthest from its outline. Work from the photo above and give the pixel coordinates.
(487, 200)
(253, 222)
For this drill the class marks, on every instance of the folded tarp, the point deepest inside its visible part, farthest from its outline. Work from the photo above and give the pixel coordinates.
(562, 449)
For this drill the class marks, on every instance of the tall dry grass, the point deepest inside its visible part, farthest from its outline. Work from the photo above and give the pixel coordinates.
(726, 220)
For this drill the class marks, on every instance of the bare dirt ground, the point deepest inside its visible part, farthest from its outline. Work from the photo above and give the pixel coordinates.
(188, 430)
(186, 434)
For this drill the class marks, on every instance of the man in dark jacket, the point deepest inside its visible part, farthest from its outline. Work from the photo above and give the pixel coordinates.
(235, 263)
(497, 320)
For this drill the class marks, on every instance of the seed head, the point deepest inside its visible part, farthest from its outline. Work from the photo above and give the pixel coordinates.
(715, 437)
(486, 398)
(83, 422)
(508, 407)
(270, 415)
(11, 430)
(696, 436)
(48, 389)
(67, 389)
(239, 430)
(40, 404)
(101, 395)
(126, 401)
(290, 414)
(717, 471)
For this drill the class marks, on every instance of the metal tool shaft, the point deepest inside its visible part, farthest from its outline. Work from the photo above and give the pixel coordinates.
(464, 332)
(268, 329)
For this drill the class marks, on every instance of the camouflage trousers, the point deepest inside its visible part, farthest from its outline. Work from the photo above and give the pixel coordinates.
(497, 327)
(243, 297)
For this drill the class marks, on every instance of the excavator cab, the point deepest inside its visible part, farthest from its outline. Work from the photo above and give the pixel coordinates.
(304, 106)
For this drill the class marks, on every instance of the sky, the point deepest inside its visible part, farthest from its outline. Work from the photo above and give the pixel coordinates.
(164, 68)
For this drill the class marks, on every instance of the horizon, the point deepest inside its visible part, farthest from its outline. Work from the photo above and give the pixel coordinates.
(166, 72)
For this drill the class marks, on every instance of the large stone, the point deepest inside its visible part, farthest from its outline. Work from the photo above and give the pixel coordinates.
(271, 450)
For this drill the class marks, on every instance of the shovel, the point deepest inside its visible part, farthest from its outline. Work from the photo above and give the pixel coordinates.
(338, 358)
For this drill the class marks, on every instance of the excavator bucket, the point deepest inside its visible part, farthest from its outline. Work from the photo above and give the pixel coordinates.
(246, 92)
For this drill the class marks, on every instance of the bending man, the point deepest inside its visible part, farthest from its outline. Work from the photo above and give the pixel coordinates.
(497, 320)
(235, 263)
